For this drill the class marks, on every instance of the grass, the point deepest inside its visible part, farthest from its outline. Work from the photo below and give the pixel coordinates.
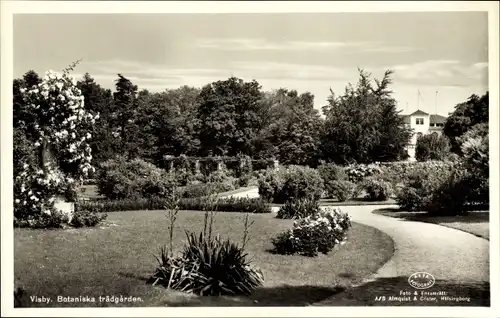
(117, 259)
(475, 222)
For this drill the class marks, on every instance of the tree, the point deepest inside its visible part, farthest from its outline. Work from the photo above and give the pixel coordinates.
(362, 125)
(124, 117)
(168, 123)
(228, 117)
(466, 115)
(432, 147)
(292, 128)
(99, 101)
(21, 116)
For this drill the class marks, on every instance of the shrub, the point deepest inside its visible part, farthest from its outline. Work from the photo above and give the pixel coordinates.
(432, 147)
(294, 182)
(318, 233)
(340, 189)
(87, 219)
(451, 196)
(296, 209)
(208, 266)
(120, 179)
(420, 183)
(331, 172)
(377, 189)
(231, 204)
(409, 199)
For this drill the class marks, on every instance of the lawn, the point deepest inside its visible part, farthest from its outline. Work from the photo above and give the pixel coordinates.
(117, 258)
(476, 222)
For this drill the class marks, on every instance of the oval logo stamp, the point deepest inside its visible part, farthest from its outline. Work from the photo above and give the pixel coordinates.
(421, 280)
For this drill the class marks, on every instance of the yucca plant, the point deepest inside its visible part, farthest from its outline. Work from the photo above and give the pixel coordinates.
(207, 267)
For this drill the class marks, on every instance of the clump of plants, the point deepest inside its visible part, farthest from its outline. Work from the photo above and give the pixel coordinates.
(296, 209)
(340, 189)
(292, 182)
(377, 189)
(207, 265)
(317, 233)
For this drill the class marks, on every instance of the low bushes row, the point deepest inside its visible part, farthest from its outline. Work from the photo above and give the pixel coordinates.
(57, 219)
(232, 204)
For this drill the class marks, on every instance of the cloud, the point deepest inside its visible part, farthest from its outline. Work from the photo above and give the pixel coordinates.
(266, 45)
(450, 73)
(147, 75)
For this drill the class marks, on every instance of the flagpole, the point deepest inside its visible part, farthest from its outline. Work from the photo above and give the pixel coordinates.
(436, 103)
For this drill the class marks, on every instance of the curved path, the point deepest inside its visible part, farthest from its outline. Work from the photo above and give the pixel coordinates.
(446, 253)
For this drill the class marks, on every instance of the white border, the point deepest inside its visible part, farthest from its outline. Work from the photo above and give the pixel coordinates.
(8, 8)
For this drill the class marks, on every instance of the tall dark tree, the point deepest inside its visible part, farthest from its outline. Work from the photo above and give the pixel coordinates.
(99, 100)
(228, 117)
(466, 115)
(394, 135)
(362, 125)
(124, 116)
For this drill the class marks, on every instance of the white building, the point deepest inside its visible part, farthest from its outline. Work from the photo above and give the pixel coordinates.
(422, 123)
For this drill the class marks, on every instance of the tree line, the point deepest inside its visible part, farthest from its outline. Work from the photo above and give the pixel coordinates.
(233, 117)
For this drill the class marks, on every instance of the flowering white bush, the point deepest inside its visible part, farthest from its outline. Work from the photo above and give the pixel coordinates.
(61, 124)
(358, 172)
(317, 233)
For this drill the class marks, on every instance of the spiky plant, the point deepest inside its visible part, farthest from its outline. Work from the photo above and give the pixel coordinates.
(208, 267)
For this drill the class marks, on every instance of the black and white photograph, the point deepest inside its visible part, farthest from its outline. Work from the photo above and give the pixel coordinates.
(210, 156)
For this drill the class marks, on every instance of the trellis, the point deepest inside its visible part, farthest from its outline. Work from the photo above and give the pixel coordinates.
(209, 164)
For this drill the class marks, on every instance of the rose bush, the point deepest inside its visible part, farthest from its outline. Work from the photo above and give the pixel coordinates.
(60, 124)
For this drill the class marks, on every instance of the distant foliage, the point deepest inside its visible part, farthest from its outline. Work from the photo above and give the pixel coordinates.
(318, 233)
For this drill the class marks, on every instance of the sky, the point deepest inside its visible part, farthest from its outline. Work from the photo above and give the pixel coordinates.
(444, 52)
